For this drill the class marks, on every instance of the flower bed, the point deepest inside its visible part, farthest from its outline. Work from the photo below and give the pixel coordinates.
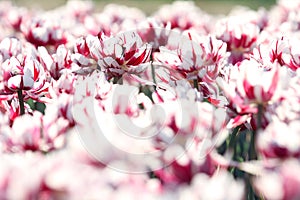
(177, 105)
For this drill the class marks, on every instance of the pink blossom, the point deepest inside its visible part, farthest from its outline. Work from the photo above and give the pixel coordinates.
(27, 75)
(11, 108)
(56, 62)
(180, 105)
(41, 32)
(181, 15)
(154, 32)
(82, 47)
(79, 9)
(229, 187)
(260, 91)
(273, 142)
(240, 37)
(124, 53)
(65, 84)
(281, 182)
(245, 91)
(37, 133)
(10, 47)
(195, 56)
(285, 110)
(15, 17)
(273, 52)
(116, 18)
(258, 17)
(285, 16)
(292, 57)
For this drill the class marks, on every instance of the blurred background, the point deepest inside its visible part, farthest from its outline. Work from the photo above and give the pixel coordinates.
(149, 6)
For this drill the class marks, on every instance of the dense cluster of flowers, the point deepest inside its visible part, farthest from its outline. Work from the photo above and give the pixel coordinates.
(180, 104)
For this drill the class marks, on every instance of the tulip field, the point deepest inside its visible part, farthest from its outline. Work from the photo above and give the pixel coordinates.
(177, 104)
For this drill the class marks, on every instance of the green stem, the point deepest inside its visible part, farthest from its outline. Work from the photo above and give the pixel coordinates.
(252, 153)
(232, 145)
(259, 117)
(196, 83)
(118, 80)
(250, 192)
(252, 150)
(233, 142)
(233, 138)
(115, 80)
(153, 71)
(21, 102)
